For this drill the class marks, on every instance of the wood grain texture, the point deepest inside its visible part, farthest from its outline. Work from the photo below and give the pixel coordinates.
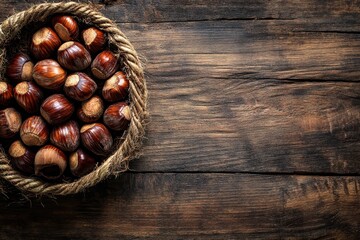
(249, 97)
(254, 112)
(201, 206)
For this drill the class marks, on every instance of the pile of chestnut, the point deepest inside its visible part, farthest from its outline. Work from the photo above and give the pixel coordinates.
(63, 101)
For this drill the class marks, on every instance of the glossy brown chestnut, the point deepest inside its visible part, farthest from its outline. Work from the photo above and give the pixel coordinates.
(96, 138)
(116, 88)
(81, 163)
(50, 162)
(34, 132)
(29, 96)
(22, 157)
(49, 74)
(56, 109)
(117, 116)
(20, 68)
(6, 94)
(91, 110)
(44, 43)
(94, 39)
(10, 122)
(74, 56)
(104, 65)
(66, 136)
(66, 27)
(79, 86)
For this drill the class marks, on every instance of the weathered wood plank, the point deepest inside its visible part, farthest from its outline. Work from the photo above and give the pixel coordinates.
(239, 125)
(338, 15)
(208, 206)
(256, 50)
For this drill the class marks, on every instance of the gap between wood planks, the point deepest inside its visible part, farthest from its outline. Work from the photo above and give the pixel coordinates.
(311, 174)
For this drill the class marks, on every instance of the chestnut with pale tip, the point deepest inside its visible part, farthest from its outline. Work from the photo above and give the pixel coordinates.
(29, 96)
(116, 88)
(117, 116)
(50, 162)
(20, 68)
(10, 123)
(74, 56)
(56, 109)
(66, 136)
(22, 157)
(79, 86)
(81, 163)
(91, 110)
(6, 94)
(94, 39)
(104, 65)
(49, 74)
(34, 131)
(96, 138)
(66, 27)
(44, 43)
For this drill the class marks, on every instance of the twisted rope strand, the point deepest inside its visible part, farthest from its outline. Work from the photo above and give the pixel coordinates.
(129, 149)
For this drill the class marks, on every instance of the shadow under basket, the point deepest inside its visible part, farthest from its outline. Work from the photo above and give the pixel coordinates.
(12, 31)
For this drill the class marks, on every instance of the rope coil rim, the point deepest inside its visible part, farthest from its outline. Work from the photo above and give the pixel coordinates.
(129, 149)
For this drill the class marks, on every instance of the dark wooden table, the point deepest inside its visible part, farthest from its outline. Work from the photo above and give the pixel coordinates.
(254, 132)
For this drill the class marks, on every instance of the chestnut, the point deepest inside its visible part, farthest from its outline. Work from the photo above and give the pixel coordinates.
(6, 94)
(66, 27)
(79, 86)
(116, 87)
(91, 110)
(94, 39)
(19, 68)
(34, 132)
(117, 116)
(74, 56)
(104, 65)
(22, 157)
(96, 138)
(66, 136)
(29, 96)
(44, 43)
(49, 74)
(10, 122)
(56, 109)
(50, 162)
(81, 163)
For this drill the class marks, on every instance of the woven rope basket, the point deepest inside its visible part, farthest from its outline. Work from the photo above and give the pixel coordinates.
(129, 149)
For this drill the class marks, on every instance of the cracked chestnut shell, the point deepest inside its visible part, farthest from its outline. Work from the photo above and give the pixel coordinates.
(22, 157)
(29, 96)
(34, 131)
(104, 65)
(116, 88)
(50, 162)
(117, 116)
(91, 110)
(10, 122)
(79, 86)
(66, 27)
(56, 109)
(49, 74)
(66, 136)
(94, 39)
(96, 138)
(74, 56)
(44, 43)
(81, 163)
(19, 68)
(6, 94)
